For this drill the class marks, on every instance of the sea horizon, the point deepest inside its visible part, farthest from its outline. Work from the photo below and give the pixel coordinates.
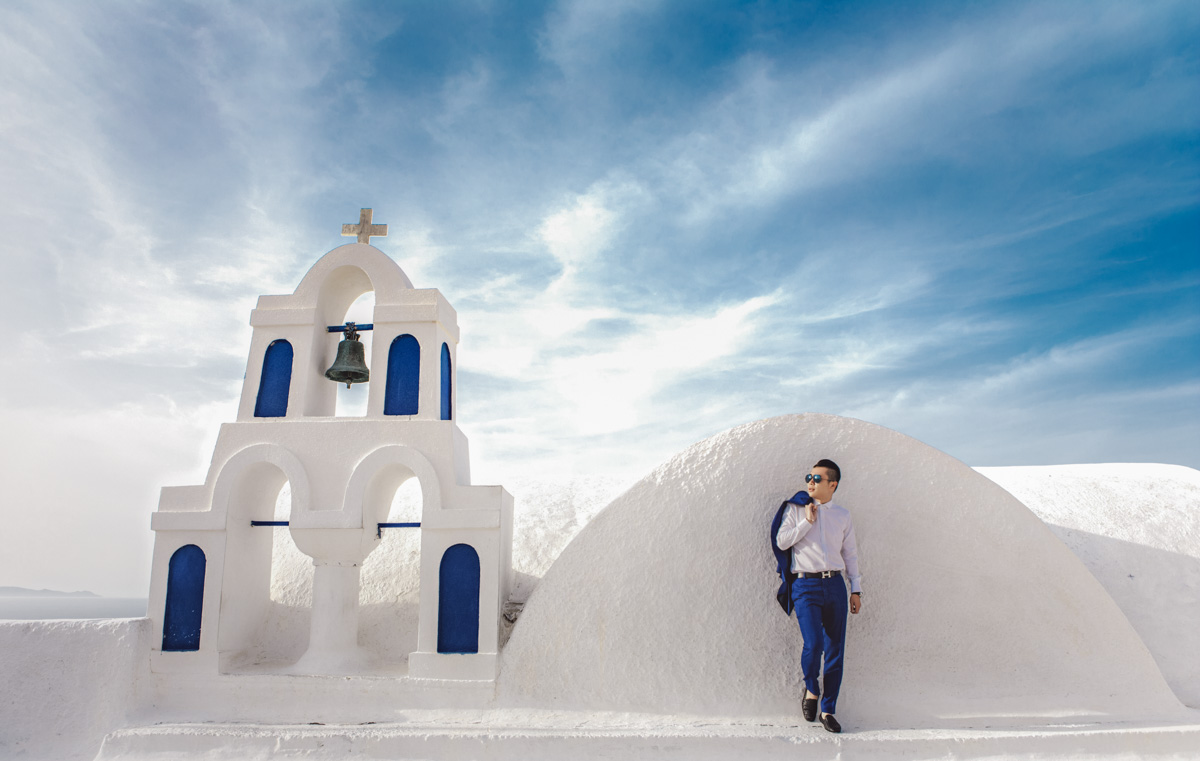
(64, 607)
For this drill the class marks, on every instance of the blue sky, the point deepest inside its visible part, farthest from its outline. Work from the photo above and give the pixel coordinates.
(975, 223)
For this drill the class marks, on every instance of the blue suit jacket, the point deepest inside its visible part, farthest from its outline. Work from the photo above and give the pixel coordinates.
(783, 558)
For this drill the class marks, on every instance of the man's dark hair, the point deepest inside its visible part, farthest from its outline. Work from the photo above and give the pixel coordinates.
(834, 471)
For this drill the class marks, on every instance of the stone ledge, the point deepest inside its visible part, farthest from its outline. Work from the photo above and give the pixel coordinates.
(562, 735)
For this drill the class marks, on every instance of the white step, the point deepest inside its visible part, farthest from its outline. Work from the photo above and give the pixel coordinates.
(537, 736)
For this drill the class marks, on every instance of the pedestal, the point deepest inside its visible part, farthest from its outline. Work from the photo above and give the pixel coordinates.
(333, 636)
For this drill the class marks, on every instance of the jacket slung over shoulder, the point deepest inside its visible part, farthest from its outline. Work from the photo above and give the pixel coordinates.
(783, 558)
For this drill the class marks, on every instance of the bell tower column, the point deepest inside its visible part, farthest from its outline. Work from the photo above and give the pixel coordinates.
(333, 631)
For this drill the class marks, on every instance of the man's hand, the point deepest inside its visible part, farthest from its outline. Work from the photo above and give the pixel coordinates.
(855, 602)
(810, 512)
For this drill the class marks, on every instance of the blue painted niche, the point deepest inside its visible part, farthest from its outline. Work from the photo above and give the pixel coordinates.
(185, 599)
(276, 380)
(458, 600)
(403, 376)
(445, 382)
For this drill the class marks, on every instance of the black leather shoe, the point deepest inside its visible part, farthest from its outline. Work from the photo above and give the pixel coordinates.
(810, 708)
(830, 723)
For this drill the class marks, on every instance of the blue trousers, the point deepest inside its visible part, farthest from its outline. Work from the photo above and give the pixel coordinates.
(821, 607)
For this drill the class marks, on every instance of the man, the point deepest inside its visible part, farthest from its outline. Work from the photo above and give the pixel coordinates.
(823, 548)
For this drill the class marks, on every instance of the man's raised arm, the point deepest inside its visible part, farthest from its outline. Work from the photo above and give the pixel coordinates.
(793, 528)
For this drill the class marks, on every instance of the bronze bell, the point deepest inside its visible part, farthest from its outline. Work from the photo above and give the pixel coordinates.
(350, 365)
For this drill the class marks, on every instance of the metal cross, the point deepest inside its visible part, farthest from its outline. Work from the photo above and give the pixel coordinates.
(364, 229)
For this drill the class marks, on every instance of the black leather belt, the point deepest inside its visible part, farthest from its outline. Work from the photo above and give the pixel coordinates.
(819, 574)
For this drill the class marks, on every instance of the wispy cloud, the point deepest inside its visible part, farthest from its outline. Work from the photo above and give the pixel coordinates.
(1030, 403)
(591, 364)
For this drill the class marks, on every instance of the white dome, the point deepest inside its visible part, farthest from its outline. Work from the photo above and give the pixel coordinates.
(666, 600)
(1137, 529)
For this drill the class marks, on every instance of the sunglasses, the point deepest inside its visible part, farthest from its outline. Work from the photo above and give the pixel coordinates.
(811, 479)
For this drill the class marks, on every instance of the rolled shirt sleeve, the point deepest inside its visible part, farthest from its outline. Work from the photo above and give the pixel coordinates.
(793, 528)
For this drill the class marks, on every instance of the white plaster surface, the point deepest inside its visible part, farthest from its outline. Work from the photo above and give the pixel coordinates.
(68, 683)
(1137, 529)
(548, 512)
(665, 600)
(65, 684)
(565, 736)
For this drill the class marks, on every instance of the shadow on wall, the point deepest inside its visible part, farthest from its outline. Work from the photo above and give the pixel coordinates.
(388, 631)
(282, 639)
(1159, 592)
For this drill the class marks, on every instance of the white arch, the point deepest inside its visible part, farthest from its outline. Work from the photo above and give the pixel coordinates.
(249, 482)
(254, 472)
(381, 472)
(347, 272)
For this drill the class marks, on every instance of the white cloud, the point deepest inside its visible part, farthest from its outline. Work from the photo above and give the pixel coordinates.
(579, 232)
(596, 384)
(612, 388)
(1048, 407)
(778, 132)
(568, 387)
(579, 34)
(584, 228)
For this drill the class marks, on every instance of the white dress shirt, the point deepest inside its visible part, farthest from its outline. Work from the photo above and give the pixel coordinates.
(826, 545)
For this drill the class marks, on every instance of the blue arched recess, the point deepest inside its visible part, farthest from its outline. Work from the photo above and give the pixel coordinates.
(185, 599)
(403, 377)
(276, 380)
(445, 382)
(458, 600)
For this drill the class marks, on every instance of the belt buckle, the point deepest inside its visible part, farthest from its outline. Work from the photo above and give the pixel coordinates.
(826, 574)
